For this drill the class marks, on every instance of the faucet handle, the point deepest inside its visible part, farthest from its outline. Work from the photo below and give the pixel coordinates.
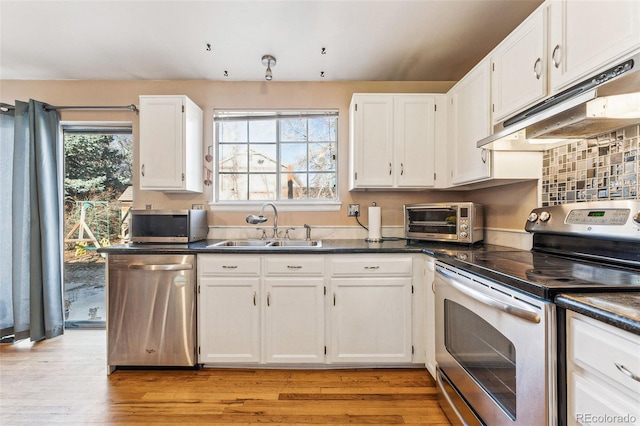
(286, 233)
(264, 233)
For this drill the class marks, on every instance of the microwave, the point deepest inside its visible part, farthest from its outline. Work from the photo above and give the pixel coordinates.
(460, 222)
(168, 226)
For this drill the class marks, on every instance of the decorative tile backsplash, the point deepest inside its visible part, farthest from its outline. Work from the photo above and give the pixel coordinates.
(603, 168)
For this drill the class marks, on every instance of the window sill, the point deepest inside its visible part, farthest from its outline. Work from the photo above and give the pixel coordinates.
(243, 206)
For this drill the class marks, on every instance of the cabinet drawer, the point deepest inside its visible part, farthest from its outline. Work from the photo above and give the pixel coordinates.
(294, 265)
(228, 265)
(358, 266)
(605, 351)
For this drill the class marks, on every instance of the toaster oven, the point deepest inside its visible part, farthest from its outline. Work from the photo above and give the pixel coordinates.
(460, 222)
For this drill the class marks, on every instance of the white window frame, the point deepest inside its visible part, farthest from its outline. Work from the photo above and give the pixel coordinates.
(283, 205)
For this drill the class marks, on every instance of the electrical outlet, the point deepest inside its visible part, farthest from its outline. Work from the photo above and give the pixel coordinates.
(354, 210)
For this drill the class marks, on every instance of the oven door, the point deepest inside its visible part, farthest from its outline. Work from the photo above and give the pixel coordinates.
(496, 348)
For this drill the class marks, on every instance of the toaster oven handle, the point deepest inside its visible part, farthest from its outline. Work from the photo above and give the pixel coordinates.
(508, 308)
(166, 267)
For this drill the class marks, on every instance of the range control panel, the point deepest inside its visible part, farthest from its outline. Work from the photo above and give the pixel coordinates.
(618, 219)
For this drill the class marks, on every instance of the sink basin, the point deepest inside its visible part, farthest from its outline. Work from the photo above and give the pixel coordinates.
(267, 243)
(296, 243)
(241, 243)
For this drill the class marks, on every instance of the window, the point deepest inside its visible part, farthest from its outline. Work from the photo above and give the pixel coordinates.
(276, 155)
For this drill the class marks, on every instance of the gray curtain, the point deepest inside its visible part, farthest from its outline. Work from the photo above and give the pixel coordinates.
(35, 308)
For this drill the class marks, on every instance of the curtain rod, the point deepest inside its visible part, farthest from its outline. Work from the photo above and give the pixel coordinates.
(133, 108)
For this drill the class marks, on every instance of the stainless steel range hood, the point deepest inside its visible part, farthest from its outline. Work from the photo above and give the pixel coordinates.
(603, 103)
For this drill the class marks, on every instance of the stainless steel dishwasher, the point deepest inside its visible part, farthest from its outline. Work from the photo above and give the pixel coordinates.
(151, 310)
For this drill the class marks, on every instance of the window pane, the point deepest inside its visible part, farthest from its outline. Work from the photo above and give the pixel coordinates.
(293, 129)
(322, 156)
(293, 156)
(322, 186)
(262, 158)
(233, 186)
(322, 129)
(233, 158)
(262, 131)
(294, 187)
(262, 186)
(233, 131)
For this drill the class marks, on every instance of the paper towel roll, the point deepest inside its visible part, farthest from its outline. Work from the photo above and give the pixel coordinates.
(375, 224)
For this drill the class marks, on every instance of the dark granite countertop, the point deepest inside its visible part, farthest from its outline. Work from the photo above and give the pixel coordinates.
(620, 309)
(549, 277)
(352, 246)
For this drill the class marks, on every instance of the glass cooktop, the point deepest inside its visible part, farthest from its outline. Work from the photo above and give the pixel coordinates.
(545, 275)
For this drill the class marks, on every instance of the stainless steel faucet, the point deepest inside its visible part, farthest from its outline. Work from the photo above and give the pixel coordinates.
(308, 228)
(253, 219)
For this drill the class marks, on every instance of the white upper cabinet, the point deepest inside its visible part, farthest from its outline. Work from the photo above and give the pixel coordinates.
(170, 144)
(470, 122)
(392, 141)
(589, 36)
(519, 67)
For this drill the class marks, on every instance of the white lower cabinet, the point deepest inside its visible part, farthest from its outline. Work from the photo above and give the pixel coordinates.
(294, 309)
(310, 309)
(228, 309)
(371, 309)
(602, 361)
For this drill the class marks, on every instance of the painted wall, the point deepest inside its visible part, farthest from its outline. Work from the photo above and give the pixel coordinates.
(505, 206)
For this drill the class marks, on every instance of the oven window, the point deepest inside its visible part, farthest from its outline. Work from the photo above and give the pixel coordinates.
(486, 354)
(433, 221)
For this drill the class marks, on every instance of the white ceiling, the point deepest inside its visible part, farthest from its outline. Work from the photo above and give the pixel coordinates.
(393, 40)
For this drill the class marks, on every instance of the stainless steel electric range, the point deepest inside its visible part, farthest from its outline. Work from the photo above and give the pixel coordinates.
(499, 335)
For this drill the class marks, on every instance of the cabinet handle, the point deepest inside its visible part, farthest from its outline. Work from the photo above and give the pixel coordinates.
(294, 266)
(334, 298)
(537, 70)
(229, 266)
(268, 299)
(389, 168)
(142, 170)
(626, 372)
(483, 156)
(254, 298)
(556, 62)
(372, 267)
(401, 169)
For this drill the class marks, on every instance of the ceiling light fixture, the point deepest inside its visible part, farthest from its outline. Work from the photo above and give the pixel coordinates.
(268, 60)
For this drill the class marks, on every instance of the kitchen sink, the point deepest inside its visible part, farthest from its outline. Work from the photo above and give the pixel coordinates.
(267, 243)
(296, 243)
(240, 243)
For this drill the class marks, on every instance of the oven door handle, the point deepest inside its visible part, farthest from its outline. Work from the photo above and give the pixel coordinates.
(517, 311)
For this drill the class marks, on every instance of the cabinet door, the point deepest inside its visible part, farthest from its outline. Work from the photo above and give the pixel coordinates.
(588, 36)
(518, 68)
(371, 141)
(228, 319)
(471, 121)
(294, 320)
(414, 141)
(371, 320)
(161, 143)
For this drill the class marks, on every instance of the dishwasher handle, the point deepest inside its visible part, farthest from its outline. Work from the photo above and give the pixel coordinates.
(508, 308)
(162, 267)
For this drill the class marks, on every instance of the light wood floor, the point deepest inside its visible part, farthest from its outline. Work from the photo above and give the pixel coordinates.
(64, 381)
